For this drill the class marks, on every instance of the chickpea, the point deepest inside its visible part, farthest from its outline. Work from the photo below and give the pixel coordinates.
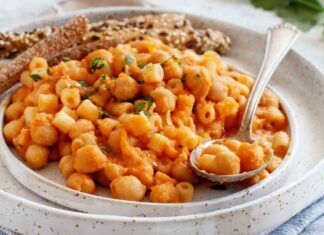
(20, 94)
(106, 125)
(124, 87)
(12, 129)
(114, 171)
(36, 63)
(87, 138)
(166, 193)
(136, 125)
(224, 162)
(66, 166)
(22, 141)
(81, 182)
(159, 56)
(172, 69)
(152, 73)
(36, 156)
(181, 171)
(198, 81)
(251, 155)
(89, 159)
(164, 100)
(164, 165)
(81, 126)
(118, 109)
(218, 91)
(127, 188)
(64, 148)
(144, 172)
(14, 111)
(42, 131)
(161, 178)
(26, 79)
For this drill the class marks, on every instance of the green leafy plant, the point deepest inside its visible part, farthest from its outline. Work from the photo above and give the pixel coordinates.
(303, 13)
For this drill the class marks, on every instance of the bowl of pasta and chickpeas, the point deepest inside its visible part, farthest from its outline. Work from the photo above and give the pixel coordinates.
(127, 117)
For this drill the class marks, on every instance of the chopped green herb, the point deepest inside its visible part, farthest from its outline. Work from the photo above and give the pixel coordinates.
(303, 13)
(83, 83)
(103, 113)
(107, 87)
(86, 96)
(66, 59)
(163, 63)
(144, 106)
(36, 77)
(113, 78)
(129, 59)
(141, 65)
(99, 63)
(103, 78)
(48, 70)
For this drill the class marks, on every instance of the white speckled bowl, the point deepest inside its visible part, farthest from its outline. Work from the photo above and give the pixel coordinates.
(50, 184)
(297, 80)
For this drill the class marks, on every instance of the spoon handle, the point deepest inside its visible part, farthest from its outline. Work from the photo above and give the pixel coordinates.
(280, 39)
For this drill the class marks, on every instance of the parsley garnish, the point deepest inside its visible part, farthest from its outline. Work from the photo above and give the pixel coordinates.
(141, 65)
(36, 77)
(83, 83)
(66, 59)
(303, 13)
(129, 59)
(163, 63)
(144, 106)
(103, 113)
(99, 63)
(86, 96)
(103, 78)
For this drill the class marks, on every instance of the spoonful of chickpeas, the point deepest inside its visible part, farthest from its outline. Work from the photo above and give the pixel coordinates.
(217, 160)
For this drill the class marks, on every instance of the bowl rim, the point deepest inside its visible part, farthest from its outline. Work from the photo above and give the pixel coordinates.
(142, 10)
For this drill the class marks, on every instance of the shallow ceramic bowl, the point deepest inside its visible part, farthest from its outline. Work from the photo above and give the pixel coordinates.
(297, 80)
(50, 184)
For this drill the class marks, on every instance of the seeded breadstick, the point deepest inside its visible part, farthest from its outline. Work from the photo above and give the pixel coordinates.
(80, 51)
(63, 38)
(173, 29)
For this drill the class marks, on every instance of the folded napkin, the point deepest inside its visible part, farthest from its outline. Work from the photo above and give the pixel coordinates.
(309, 221)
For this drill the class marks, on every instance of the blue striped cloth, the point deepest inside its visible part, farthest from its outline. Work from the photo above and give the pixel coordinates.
(310, 221)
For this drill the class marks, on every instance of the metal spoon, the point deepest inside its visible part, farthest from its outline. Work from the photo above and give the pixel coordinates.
(280, 39)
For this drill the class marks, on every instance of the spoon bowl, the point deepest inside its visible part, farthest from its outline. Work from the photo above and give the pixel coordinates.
(196, 153)
(280, 39)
